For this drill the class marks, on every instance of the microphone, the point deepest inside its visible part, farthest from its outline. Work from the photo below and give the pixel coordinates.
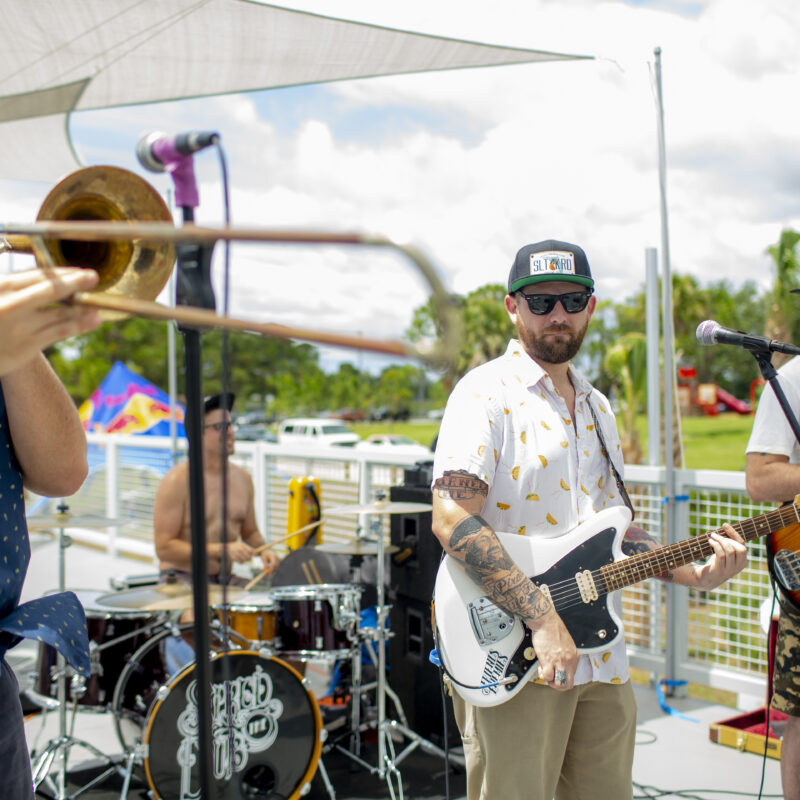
(710, 332)
(158, 152)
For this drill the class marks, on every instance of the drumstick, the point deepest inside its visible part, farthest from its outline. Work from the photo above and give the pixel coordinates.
(266, 546)
(288, 536)
(248, 586)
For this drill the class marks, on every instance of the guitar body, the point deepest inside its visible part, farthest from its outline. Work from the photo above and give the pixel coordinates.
(783, 559)
(479, 644)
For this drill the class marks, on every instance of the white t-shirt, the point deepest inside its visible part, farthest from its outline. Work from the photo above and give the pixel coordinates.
(771, 430)
(506, 423)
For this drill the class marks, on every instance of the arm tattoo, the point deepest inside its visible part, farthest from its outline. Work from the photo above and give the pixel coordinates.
(475, 544)
(638, 541)
(460, 486)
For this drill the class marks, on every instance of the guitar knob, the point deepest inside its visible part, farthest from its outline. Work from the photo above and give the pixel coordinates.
(529, 654)
(601, 634)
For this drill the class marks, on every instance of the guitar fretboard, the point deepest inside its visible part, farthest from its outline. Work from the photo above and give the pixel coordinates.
(637, 568)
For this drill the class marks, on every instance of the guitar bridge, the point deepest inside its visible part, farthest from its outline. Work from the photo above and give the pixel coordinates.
(489, 622)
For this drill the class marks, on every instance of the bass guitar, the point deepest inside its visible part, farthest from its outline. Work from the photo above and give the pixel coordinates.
(488, 654)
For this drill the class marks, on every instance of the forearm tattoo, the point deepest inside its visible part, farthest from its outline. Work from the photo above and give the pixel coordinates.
(638, 541)
(475, 544)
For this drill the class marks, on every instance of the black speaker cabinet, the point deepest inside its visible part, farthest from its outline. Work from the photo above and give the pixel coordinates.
(414, 565)
(412, 676)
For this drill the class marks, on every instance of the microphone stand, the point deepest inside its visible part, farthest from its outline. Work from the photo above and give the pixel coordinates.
(193, 288)
(764, 360)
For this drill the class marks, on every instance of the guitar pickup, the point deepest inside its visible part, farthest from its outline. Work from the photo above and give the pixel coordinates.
(586, 586)
(489, 622)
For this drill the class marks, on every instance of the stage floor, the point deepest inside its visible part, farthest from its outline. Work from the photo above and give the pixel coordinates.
(674, 756)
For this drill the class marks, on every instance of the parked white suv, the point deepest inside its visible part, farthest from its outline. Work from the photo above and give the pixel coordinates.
(316, 432)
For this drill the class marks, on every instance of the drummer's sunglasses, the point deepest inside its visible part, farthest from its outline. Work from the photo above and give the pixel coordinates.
(573, 302)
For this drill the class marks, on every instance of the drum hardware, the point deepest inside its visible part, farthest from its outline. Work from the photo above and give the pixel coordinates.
(58, 749)
(358, 547)
(387, 730)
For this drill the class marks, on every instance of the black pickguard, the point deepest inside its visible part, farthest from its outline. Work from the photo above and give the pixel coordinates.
(589, 624)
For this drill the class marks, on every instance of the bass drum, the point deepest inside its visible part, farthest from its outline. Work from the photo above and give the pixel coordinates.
(267, 747)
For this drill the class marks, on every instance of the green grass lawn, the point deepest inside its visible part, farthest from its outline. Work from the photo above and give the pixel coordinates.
(709, 442)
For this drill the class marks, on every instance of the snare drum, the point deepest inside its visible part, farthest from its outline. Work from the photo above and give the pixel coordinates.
(269, 745)
(315, 619)
(253, 619)
(114, 633)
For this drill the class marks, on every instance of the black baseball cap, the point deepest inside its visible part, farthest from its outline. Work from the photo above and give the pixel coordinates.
(225, 400)
(550, 260)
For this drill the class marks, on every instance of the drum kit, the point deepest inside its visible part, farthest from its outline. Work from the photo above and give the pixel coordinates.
(287, 680)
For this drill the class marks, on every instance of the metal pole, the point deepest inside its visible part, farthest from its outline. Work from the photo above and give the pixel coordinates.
(670, 656)
(653, 335)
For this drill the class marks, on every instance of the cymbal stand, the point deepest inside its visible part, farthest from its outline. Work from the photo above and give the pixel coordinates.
(59, 748)
(386, 729)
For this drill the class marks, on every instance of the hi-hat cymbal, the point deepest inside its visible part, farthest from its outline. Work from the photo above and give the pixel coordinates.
(166, 597)
(381, 507)
(358, 547)
(44, 522)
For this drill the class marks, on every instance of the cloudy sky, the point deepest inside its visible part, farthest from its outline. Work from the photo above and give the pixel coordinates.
(470, 165)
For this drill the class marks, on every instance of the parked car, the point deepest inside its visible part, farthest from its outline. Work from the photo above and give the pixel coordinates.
(254, 433)
(316, 432)
(393, 443)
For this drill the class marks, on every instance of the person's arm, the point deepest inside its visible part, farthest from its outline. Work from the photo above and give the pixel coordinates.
(458, 499)
(729, 558)
(49, 441)
(250, 532)
(169, 508)
(770, 478)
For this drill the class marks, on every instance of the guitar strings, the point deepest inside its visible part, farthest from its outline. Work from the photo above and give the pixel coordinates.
(567, 594)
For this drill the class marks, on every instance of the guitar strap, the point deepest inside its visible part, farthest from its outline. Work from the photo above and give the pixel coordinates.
(617, 477)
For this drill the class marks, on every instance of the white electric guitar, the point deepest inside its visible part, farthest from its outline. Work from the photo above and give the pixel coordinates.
(488, 653)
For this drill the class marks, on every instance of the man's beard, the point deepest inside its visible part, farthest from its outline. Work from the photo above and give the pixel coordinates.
(549, 350)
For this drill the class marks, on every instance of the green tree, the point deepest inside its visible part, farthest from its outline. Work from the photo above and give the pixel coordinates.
(486, 328)
(783, 320)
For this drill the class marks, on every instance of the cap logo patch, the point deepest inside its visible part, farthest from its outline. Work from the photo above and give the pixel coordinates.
(552, 263)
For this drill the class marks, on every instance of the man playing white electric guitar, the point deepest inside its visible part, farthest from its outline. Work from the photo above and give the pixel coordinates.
(528, 447)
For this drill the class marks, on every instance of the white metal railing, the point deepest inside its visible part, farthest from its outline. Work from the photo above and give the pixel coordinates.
(718, 637)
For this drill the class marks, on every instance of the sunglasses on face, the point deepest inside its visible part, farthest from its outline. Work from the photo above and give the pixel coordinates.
(219, 426)
(573, 302)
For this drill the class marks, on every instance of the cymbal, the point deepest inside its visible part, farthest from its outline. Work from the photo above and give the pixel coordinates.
(43, 522)
(381, 507)
(166, 597)
(358, 547)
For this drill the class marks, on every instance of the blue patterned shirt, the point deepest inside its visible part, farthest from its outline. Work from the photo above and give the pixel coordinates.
(56, 619)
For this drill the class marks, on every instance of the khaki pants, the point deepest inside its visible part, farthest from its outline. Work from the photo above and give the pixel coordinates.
(544, 744)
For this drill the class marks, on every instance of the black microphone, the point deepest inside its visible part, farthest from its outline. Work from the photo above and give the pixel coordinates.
(158, 152)
(710, 332)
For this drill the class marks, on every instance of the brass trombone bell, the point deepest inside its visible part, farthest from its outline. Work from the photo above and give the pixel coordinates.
(129, 268)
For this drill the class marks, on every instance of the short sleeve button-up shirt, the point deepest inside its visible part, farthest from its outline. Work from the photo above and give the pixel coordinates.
(56, 619)
(506, 423)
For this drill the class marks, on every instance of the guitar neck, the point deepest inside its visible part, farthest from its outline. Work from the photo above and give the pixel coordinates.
(637, 568)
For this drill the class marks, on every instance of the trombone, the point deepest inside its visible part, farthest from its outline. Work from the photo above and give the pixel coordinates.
(113, 221)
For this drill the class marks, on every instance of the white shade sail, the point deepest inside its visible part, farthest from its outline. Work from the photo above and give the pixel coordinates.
(74, 55)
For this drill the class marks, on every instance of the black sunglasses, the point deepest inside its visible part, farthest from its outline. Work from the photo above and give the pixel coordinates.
(219, 426)
(573, 302)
